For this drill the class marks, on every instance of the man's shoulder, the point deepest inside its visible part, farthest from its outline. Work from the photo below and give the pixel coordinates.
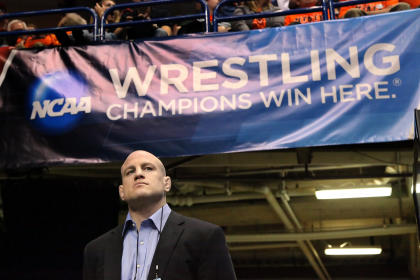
(107, 237)
(194, 223)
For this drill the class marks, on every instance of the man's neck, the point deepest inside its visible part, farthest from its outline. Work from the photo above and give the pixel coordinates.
(139, 214)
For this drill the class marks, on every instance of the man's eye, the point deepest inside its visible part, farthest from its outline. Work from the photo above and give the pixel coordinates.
(129, 172)
(148, 168)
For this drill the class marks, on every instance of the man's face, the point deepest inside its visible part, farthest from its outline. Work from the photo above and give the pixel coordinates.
(17, 26)
(108, 4)
(3, 22)
(143, 178)
(212, 4)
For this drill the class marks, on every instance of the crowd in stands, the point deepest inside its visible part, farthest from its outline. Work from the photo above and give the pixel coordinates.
(170, 28)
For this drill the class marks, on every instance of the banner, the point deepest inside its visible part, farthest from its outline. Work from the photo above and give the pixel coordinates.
(328, 83)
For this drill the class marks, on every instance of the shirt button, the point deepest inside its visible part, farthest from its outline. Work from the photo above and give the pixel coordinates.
(138, 266)
(141, 243)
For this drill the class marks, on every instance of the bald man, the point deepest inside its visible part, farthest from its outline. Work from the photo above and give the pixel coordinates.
(156, 242)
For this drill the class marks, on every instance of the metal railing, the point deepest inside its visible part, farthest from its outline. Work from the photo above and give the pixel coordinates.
(216, 18)
(99, 25)
(104, 25)
(93, 26)
(333, 5)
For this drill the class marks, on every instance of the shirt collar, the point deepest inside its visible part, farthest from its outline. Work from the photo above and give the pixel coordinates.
(155, 218)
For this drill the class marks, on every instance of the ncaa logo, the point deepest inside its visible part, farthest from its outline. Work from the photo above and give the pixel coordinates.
(58, 101)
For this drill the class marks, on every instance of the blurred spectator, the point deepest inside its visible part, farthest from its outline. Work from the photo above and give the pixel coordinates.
(228, 9)
(102, 6)
(112, 17)
(413, 3)
(75, 36)
(373, 8)
(306, 17)
(37, 40)
(283, 4)
(71, 19)
(257, 6)
(15, 25)
(145, 29)
(3, 24)
(198, 25)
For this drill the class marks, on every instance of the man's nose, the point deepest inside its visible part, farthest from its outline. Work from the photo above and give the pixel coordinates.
(139, 173)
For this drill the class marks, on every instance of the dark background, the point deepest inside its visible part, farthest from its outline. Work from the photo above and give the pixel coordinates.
(47, 223)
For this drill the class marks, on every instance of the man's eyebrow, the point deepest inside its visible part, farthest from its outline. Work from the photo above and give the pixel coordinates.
(148, 163)
(127, 168)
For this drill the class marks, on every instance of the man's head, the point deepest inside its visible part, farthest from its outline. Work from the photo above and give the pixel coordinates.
(296, 4)
(144, 180)
(107, 3)
(72, 19)
(3, 22)
(16, 25)
(212, 4)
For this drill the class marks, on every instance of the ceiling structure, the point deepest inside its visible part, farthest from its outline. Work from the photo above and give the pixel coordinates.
(274, 225)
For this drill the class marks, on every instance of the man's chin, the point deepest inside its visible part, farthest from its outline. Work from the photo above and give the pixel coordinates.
(142, 197)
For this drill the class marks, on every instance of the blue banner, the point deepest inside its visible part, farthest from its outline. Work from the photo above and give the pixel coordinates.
(328, 83)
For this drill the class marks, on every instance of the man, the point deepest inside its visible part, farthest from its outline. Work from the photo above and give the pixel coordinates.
(198, 25)
(373, 8)
(155, 242)
(145, 30)
(306, 17)
(102, 6)
(15, 40)
(3, 24)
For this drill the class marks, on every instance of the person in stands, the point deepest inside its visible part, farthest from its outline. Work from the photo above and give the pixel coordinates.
(75, 36)
(37, 40)
(198, 25)
(16, 25)
(145, 30)
(306, 17)
(373, 8)
(3, 24)
(112, 17)
(283, 4)
(102, 6)
(252, 7)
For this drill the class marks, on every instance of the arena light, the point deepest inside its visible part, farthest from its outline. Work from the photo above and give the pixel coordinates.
(353, 251)
(417, 188)
(354, 193)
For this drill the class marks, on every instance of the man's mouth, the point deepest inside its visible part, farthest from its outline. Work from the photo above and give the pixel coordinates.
(140, 184)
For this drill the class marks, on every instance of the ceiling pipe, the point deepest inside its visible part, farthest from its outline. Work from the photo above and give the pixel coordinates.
(301, 169)
(262, 246)
(191, 200)
(272, 200)
(255, 195)
(339, 234)
(299, 227)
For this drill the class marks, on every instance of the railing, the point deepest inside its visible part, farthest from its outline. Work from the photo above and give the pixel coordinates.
(323, 8)
(105, 25)
(334, 5)
(93, 26)
(99, 26)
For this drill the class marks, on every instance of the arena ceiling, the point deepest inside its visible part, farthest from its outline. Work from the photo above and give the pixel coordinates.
(276, 228)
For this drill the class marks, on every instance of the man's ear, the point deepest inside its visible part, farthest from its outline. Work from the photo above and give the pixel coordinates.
(167, 183)
(121, 192)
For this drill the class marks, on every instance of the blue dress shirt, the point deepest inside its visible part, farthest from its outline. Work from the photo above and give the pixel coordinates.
(139, 247)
